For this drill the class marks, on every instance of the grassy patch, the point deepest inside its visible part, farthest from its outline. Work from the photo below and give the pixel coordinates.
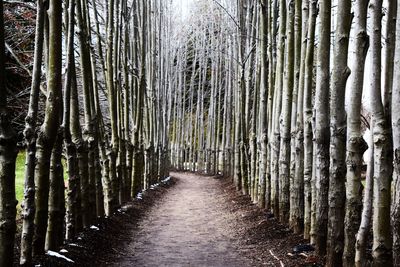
(20, 177)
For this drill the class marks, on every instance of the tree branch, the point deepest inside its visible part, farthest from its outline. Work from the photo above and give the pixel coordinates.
(227, 12)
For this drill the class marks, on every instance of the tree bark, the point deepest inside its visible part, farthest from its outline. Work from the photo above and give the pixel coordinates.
(396, 146)
(28, 205)
(48, 132)
(8, 154)
(285, 118)
(382, 241)
(337, 187)
(308, 120)
(297, 191)
(365, 225)
(263, 116)
(277, 111)
(356, 146)
(322, 126)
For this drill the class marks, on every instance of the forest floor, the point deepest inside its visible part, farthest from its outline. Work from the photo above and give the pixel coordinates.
(193, 220)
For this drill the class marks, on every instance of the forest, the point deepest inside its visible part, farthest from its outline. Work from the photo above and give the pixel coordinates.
(296, 101)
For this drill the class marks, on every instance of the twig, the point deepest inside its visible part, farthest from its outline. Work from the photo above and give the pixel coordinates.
(17, 59)
(273, 255)
(22, 65)
(20, 3)
(227, 12)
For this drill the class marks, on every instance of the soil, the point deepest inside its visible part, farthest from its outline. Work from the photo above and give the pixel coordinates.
(193, 220)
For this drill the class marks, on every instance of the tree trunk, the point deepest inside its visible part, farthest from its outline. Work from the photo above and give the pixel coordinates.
(356, 145)
(285, 118)
(28, 205)
(308, 120)
(337, 187)
(50, 126)
(396, 147)
(277, 111)
(263, 116)
(8, 154)
(81, 151)
(322, 126)
(55, 229)
(112, 102)
(297, 191)
(365, 225)
(382, 243)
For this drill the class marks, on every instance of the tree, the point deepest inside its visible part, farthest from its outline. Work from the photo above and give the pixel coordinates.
(7, 165)
(263, 116)
(297, 192)
(322, 136)
(337, 175)
(28, 204)
(396, 147)
(382, 243)
(275, 186)
(285, 117)
(356, 145)
(49, 128)
(309, 197)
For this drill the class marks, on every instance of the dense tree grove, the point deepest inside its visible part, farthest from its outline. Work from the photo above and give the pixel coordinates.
(100, 69)
(288, 91)
(296, 100)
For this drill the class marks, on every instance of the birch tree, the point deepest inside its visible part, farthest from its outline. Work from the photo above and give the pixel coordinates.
(340, 75)
(285, 117)
(382, 243)
(309, 197)
(322, 136)
(356, 146)
(396, 147)
(297, 192)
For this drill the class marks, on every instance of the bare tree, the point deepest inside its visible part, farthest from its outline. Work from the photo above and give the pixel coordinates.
(7, 165)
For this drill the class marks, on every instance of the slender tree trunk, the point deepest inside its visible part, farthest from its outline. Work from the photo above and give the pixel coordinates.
(308, 117)
(28, 206)
(81, 151)
(322, 126)
(285, 118)
(356, 146)
(86, 71)
(8, 154)
(263, 116)
(277, 111)
(382, 243)
(297, 191)
(112, 103)
(55, 229)
(337, 187)
(73, 192)
(365, 225)
(50, 126)
(396, 147)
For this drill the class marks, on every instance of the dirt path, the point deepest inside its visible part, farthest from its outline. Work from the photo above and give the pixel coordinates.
(189, 220)
(189, 226)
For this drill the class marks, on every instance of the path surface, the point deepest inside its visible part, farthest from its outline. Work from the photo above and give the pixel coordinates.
(190, 226)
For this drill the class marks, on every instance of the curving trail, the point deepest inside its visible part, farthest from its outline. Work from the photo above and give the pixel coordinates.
(190, 226)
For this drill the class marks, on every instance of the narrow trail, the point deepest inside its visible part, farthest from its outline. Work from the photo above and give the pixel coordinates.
(190, 226)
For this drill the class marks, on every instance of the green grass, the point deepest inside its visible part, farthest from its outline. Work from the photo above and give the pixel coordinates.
(20, 176)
